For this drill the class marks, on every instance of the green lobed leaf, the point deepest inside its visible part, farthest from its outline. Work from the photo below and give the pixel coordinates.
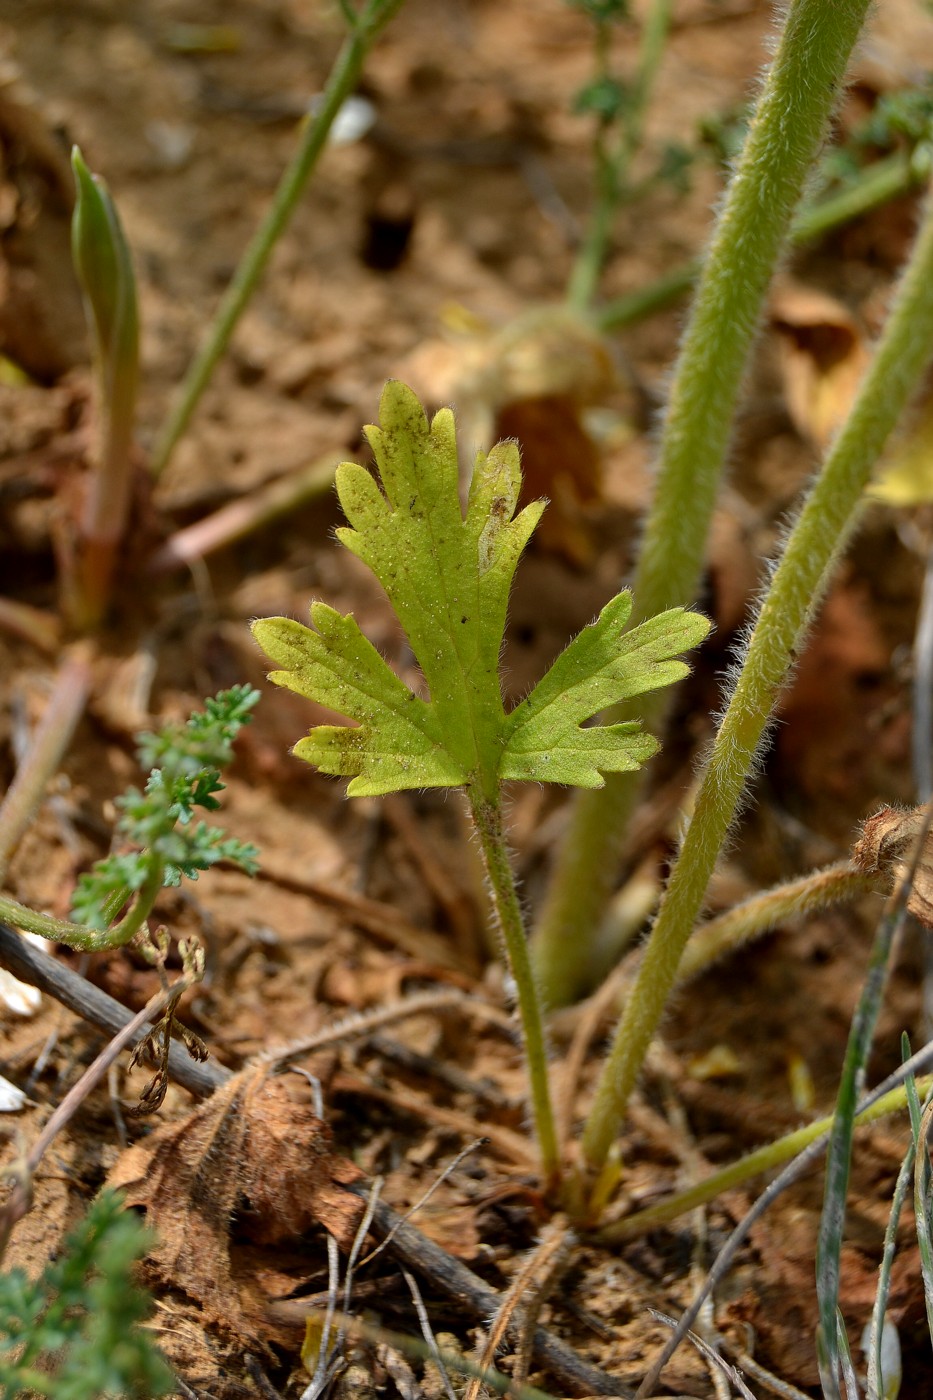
(448, 574)
(601, 666)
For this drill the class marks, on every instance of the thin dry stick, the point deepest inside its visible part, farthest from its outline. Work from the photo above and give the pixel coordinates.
(711, 1356)
(427, 1332)
(18, 1204)
(750, 1367)
(49, 745)
(421, 1201)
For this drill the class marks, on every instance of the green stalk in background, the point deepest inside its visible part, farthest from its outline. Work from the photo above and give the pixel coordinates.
(874, 186)
(782, 143)
(364, 30)
(105, 270)
(614, 106)
(819, 534)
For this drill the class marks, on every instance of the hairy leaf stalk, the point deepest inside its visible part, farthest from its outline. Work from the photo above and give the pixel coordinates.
(487, 816)
(819, 534)
(782, 143)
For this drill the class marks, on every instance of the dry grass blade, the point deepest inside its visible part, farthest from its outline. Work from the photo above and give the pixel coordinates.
(711, 1356)
(49, 745)
(327, 1363)
(527, 1295)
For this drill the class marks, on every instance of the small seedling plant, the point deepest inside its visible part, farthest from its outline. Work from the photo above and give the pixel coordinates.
(447, 574)
(161, 840)
(73, 1333)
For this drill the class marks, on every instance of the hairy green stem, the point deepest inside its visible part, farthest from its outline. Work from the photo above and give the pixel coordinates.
(798, 585)
(716, 938)
(763, 1159)
(343, 79)
(782, 142)
(487, 817)
(49, 744)
(79, 937)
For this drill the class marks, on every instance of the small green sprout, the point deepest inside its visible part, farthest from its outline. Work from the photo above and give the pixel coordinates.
(105, 270)
(448, 577)
(185, 762)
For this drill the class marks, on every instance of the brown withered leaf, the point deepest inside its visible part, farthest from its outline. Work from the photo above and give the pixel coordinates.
(254, 1159)
(823, 357)
(885, 845)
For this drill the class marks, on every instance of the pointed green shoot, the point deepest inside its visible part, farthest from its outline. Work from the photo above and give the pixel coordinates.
(105, 271)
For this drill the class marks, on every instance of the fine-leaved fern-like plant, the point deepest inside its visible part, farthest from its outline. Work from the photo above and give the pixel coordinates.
(158, 837)
(74, 1332)
(448, 575)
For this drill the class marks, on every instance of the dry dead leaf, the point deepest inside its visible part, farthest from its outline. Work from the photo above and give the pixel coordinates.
(254, 1154)
(905, 474)
(885, 845)
(823, 356)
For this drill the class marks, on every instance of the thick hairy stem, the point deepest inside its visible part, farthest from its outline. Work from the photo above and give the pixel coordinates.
(782, 143)
(798, 585)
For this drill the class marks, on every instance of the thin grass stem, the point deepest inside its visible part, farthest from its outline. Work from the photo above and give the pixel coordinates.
(612, 165)
(365, 28)
(876, 1380)
(876, 185)
(839, 1155)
